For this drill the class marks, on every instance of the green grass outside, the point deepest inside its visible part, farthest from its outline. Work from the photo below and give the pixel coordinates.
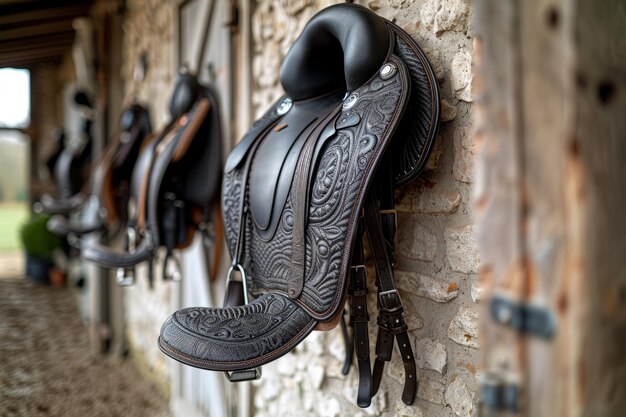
(12, 217)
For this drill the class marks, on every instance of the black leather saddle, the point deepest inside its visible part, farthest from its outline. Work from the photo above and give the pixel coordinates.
(110, 179)
(70, 173)
(300, 190)
(71, 169)
(175, 183)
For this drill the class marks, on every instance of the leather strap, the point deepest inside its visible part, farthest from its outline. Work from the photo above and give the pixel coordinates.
(348, 344)
(391, 314)
(359, 320)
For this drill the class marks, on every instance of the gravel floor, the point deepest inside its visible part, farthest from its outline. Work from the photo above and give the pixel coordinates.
(48, 369)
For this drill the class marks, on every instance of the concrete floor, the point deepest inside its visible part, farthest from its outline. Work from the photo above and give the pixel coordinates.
(47, 367)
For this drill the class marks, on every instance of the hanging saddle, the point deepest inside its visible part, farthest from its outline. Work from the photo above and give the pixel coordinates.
(110, 179)
(70, 173)
(314, 174)
(71, 169)
(175, 183)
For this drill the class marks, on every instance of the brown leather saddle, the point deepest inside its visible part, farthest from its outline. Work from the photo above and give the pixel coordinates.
(300, 190)
(175, 184)
(110, 180)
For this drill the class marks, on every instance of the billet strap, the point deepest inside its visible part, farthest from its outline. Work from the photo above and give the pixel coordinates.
(173, 225)
(217, 244)
(348, 344)
(391, 314)
(359, 319)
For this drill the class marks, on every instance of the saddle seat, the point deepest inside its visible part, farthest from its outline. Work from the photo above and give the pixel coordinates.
(361, 105)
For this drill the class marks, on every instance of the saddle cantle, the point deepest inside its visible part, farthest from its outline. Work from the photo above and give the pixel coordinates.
(110, 178)
(175, 181)
(314, 174)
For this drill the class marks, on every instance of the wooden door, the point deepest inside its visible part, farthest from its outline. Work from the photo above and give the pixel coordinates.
(551, 90)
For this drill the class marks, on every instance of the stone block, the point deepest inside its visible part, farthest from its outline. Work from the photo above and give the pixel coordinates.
(437, 200)
(448, 111)
(293, 7)
(412, 318)
(403, 410)
(316, 374)
(463, 328)
(461, 75)
(428, 199)
(415, 241)
(426, 287)
(430, 354)
(462, 249)
(445, 15)
(460, 398)
(463, 154)
(431, 391)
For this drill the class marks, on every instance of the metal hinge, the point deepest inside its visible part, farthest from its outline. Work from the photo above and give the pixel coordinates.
(525, 318)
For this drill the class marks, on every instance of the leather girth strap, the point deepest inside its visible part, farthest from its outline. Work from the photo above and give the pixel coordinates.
(380, 223)
(359, 319)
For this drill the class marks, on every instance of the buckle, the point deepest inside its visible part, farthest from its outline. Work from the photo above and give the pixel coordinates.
(359, 269)
(392, 212)
(390, 300)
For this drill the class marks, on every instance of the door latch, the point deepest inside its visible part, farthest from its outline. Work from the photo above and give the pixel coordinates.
(525, 318)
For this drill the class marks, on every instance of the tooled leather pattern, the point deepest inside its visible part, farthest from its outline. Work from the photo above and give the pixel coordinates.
(415, 133)
(232, 186)
(337, 181)
(236, 333)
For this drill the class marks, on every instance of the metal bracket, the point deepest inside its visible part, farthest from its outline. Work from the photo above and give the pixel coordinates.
(498, 395)
(526, 318)
(245, 375)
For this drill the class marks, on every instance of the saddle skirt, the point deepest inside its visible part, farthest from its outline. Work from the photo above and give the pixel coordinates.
(360, 112)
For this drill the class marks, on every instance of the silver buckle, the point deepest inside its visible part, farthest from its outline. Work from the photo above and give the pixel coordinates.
(383, 294)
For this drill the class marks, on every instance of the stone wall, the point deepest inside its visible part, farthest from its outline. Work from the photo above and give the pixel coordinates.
(437, 255)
